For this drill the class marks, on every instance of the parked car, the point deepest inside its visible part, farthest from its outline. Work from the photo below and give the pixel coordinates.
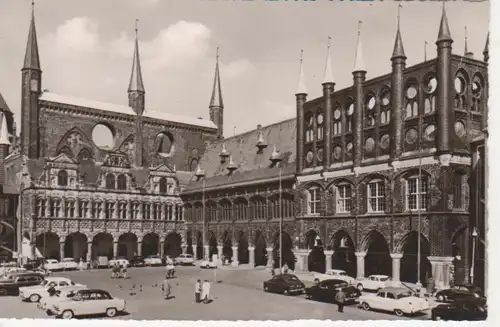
(456, 292)
(373, 282)
(53, 265)
(69, 264)
(206, 264)
(89, 302)
(393, 299)
(11, 284)
(335, 274)
(326, 290)
(153, 260)
(64, 293)
(285, 284)
(137, 262)
(119, 261)
(10, 270)
(184, 259)
(102, 262)
(35, 293)
(460, 310)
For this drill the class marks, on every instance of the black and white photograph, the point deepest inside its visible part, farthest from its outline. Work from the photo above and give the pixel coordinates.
(201, 160)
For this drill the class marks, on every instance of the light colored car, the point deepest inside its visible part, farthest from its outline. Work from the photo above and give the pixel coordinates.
(153, 260)
(184, 259)
(35, 293)
(64, 293)
(373, 282)
(398, 300)
(208, 264)
(89, 302)
(335, 274)
(119, 261)
(53, 265)
(69, 264)
(11, 270)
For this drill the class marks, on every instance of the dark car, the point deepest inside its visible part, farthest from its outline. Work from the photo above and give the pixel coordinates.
(11, 284)
(137, 262)
(285, 284)
(326, 290)
(460, 310)
(457, 292)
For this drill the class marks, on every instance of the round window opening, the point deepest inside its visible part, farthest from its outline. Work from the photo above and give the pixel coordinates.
(459, 85)
(164, 144)
(320, 119)
(348, 148)
(431, 85)
(350, 109)
(460, 129)
(371, 102)
(369, 145)
(411, 92)
(337, 152)
(430, 133)
(336, 114)
(103, 136)
(476, 87)
(386, 98)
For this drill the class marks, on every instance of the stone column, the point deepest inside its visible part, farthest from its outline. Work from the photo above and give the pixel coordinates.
(301, 255)
(194, 252)
(184, 248)
(396, 266)
(139, 248)
(441, 271)
(219, 253)
(33, 251)
(360, 264)
(328, 260)
(89, 251)
(62, 240)
(235, 262)
(77, 208)
(270, 258)
(115, 248)
(115, 211)
(251, 256)
(162, 247)
(206, 253)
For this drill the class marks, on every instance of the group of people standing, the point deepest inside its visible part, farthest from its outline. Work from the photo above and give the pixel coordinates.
(202, 291)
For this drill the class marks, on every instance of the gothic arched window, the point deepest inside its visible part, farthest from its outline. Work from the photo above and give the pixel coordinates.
(385, 107)
(430, 87)
(348, 117)
(411, 100)
(62, 178)
(110, 181)
(122, 182)
(163, 185)
(309, 128)
(337, 120)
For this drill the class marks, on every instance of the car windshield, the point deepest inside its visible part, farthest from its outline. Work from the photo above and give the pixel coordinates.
(403, 295)
(45, 282)
(341, 273)
(153, 257)
(383, 279)
(293, 278)
(341, 285)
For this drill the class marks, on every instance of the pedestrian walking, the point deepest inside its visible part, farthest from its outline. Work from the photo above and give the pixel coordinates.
(166, 288)
(197, 291)
(124, 271)
(51, 290)
(340, 299)
(205, 291)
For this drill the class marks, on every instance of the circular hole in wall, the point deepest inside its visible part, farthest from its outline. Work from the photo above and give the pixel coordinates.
(103, 136)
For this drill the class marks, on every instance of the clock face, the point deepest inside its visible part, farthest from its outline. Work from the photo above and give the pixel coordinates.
(34, 85)
(320, 119)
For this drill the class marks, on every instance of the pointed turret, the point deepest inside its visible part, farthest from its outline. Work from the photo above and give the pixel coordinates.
(4, 133)
(398, 51)
(301, 84)
(486, 51)
(31, 58)
(4, 148)
(359, 76)
(136, 91)
(216, 104)
(444, 28)
(359, 62)
(328, 88)
(328, 78)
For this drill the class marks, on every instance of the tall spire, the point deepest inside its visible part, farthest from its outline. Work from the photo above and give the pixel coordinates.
(399, 51)
(486, 51)
(328, 78)
(359, 63)
(136, 83)
(216, 99)
(31, 58)
(444, 29)
(301, 85)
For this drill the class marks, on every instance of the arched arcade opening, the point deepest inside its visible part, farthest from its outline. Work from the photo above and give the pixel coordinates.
(75, 246)
(287, 256)
(47, 245)
(127, 246)
(409, 261)
(199, 246)
(102, 246)
(150, 244)
(243, 254)
(260, 249)
(460, 252)
(343, 257)
(378, 259)
(227, 247)
(212, 245)
(316, 260)
(173, 245)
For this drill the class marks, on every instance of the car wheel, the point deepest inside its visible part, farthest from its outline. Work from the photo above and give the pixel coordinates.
(365, 306)
(111, 312)
(34, 298)
(3, 292)
(440, 298)
(436, 318)
(207, 266)
(68, 314)
(266, 289)
(360, 287)
(285, 292)
(398, 312)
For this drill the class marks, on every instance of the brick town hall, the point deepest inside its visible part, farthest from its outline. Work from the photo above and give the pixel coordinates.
(351, 182)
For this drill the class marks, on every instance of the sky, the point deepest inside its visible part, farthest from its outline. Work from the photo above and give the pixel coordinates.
(86, 49)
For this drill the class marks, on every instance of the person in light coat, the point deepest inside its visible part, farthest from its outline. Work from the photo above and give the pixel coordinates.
(205, 291)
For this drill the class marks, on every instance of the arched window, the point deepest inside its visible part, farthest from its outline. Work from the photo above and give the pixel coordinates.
(343, 198)
(319, 126)
(416, 193)
(62, 178)
(477, 93)
(313, 200)
(376, 196)
(179, 212)
(370, 105)
(122, 182)
(258, 208)
(411, 100)
(458, 190)
(348, 117)
(163, 185)
(55, 208)
(309, 128)
(460, 86)
(337, 120)
(385, 107)
(122, 210)
(430, 88)
(110, 181)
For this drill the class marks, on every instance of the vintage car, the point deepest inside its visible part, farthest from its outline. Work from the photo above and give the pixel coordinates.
(69, 264)
(89, 302)
(64, 293)
(10, 270)
(206, 264)
(120, 261)
(153, 260)
(285, 284)
(456, 292)
(35, 293)
(11, 284)
(53, 265)
(184, 259)
(335, 274)
(137, 261)
(373, 282)
(326, 290)
(393, 299)
(460, 310)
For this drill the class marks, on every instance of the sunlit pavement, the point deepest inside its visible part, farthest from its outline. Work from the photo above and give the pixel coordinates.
(237, 295)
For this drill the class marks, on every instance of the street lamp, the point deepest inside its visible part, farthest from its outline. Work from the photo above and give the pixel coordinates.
(200, 174)
(474, 238)
(275, 160)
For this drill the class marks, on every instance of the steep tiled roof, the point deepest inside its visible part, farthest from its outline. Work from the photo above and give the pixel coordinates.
(122, 109)
(251, 165)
